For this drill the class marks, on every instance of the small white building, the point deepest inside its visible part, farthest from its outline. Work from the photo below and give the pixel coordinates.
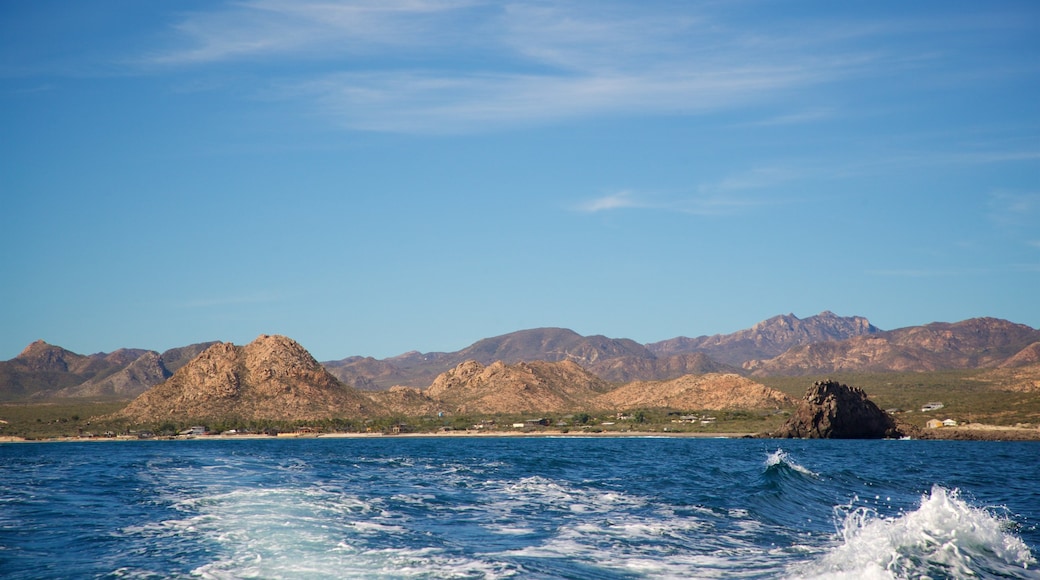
(932, 406)
(949, 423)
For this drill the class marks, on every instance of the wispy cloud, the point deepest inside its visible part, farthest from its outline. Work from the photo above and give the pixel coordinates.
(795, 118)
(309, 30)
(619, 200)
(694, 204)
(1013, 209)
(411, 66)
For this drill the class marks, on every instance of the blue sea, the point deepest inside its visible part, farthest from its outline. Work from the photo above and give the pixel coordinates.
(488, 507)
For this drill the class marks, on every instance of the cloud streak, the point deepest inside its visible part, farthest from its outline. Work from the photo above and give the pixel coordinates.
(399, 66)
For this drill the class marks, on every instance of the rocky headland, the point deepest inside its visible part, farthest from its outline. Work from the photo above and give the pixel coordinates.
(831, 410)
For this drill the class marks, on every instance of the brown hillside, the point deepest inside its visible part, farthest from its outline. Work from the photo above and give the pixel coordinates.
(696, 392)
(131, 380)
(41, 369)
(271, 378)
(523, 387)
(630, 368)
(1027, 356)
(1025, 378)
(408, 401)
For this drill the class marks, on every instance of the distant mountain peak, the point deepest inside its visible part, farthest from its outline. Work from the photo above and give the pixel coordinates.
(36, 347)
(769, 337)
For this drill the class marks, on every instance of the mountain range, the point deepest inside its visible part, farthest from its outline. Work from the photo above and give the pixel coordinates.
(273, 380)
(782, 345)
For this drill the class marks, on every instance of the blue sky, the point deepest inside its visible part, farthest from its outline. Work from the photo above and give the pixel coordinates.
(380, 176)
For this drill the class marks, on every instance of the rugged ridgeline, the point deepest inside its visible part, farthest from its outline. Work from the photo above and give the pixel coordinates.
(784, 345)
(45, 371)
(769, 338)
(974, 343)
(270, 379)
(541, 344)
(613, 360)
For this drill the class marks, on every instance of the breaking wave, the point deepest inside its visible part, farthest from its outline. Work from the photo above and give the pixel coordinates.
(944, 538)
(780, 460)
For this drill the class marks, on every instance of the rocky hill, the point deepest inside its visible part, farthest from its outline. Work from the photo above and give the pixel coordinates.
(974, 343)
(408, 402)
(769, 338)
(141, 374)
(695, 392)
(271, 378)
(536, 386)
(631, 368)
(44, 371)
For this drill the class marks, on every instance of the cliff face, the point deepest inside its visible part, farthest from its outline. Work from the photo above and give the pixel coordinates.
(271, 378)
(831, 410)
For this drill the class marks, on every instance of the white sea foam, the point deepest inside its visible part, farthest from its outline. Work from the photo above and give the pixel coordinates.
(944, 537)
(781, 457)
(288, 532)
(626, 534)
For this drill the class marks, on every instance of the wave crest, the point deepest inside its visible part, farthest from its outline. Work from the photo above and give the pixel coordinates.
(944, 537)
(780, 459)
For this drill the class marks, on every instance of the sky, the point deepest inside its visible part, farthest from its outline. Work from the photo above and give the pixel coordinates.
(375, 177)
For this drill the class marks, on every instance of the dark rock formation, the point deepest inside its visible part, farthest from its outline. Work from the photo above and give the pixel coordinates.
(831, 410)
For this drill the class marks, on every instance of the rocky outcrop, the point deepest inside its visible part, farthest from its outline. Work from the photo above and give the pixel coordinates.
(831, 410)
(695, 392)
(271, 378)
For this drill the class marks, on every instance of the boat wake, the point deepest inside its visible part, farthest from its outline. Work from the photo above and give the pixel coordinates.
(944, 538)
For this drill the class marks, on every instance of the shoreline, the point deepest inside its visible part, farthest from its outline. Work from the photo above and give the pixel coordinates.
(987, 433)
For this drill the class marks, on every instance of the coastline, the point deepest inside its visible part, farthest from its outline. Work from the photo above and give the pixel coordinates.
(973, 433)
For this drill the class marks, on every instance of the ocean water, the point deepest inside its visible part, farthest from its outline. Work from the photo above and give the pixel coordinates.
(566, 507)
